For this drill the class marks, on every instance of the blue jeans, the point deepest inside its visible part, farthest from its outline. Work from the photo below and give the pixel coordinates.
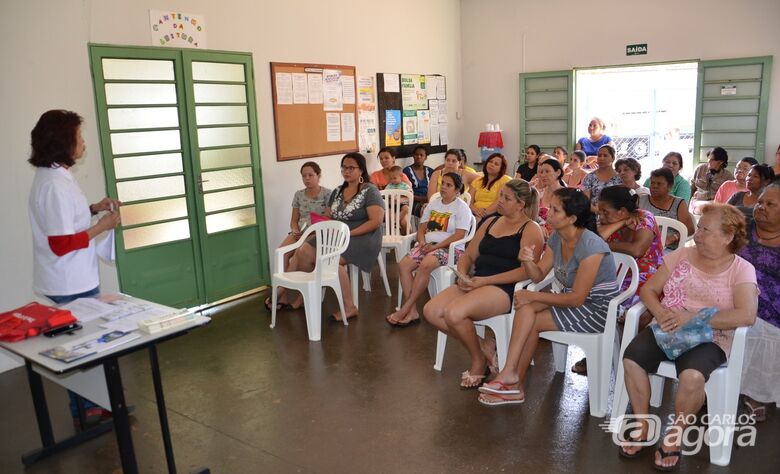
(63, 299)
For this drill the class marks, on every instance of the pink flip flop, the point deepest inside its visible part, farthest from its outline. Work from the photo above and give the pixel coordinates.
(497, 387)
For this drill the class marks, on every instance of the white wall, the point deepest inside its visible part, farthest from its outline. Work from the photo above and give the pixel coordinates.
(502, 38)
(43, 45)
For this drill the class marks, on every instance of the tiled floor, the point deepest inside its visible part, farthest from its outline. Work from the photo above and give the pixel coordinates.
(245, 398)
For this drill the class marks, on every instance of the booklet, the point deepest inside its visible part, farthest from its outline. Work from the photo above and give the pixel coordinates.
(89, 345)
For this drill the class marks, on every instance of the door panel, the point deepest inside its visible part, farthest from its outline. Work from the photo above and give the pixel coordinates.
(731, 105)
(546, 110)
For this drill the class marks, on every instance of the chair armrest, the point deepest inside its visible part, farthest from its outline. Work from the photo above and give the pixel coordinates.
(631, 325)
(289, 248)
(546, 281)
(406, 244)
(522, 284)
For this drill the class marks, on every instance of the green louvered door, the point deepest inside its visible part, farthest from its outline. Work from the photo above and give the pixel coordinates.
(546, 109)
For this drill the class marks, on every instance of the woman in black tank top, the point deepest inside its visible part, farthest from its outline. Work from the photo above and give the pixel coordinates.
(494, 253)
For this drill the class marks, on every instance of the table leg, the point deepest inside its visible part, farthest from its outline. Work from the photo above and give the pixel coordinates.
(124, 437)
(161, 410)
(41, 409)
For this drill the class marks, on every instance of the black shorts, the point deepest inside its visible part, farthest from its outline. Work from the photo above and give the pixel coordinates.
(704, 358)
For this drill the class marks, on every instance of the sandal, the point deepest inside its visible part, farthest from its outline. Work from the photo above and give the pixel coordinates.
(497, 387)
(667, 454)
(278, 305)
(622, 450)
(471, 381)
(492, 400)
(580, 367)
(757, 411)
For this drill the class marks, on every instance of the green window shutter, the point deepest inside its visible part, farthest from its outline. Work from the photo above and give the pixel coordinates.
(732, 98)
(547, 109)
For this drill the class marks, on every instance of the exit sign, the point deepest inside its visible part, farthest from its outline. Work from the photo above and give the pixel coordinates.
(635, 49)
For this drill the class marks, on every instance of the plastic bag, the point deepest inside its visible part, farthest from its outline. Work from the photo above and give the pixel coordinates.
(691, 334)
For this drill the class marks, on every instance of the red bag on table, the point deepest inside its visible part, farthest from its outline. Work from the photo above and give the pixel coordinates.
(32, 319)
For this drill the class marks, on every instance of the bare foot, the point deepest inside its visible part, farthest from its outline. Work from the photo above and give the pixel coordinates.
(351, 313)
(667, 455)
(488, 347)
(411, 316)
(395, 318)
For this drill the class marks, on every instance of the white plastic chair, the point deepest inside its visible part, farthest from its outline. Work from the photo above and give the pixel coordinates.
(501, 325)
(722, 388)
(441, 277)
(666, 223)
(332, 241)
(599, 348)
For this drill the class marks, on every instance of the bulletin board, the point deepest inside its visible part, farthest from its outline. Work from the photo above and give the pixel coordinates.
(416, 98)
(307, 103)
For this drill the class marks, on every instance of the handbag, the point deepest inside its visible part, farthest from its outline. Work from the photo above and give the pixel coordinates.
(696, 331)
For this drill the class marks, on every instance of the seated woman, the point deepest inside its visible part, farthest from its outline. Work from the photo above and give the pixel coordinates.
(727, 189)
(602, 177)
(494, 254)
(630, 171)
(527, 170)
(709, 275)
(312, 198)
(561, 153)
(453, 159)
(419, 175)
(760, 381)
(574, 172)
(444, 221)
(673, 161)
(583, 267)
(550, 178)
(381, 178)
(632, 231)
(758, 177)
(358, 204)
(708, 177)
(661, 203)
(484, 191)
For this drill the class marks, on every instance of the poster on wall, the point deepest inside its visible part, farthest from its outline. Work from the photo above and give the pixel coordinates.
(331, 90)
(413, 95)
(177, 30)
(410, 127)
(423, 126)
(392, 127)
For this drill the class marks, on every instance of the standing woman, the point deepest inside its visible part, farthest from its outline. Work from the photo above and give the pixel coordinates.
(358, 204)
(381, 178)
(727, 189)
(708, 177)
(527, 170)
(64, 250)
(596, 139)
(484, 191)
(419, 175)
(574, 172)
(758, 177)
(601, 178)
(583, 266)
(673, 161)
(453, 160)
(494, 254)
(550, 178)
(312, 198)
(662, 204)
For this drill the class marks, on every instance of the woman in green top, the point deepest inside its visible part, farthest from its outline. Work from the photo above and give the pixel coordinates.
(681, 188)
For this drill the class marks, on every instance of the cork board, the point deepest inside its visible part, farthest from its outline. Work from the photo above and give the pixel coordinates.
(301, 126)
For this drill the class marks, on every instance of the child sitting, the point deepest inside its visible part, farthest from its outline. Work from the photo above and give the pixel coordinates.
(396, 182)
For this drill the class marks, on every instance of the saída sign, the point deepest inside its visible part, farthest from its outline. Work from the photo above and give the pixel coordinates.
(636, 49)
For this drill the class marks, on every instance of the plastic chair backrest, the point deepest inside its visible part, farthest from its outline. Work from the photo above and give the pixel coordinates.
(332, 241)
(464, 240)
(393, 201)
(666, 223)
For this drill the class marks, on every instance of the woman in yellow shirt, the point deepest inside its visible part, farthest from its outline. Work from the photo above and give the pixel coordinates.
(453, 160)
(484, 190)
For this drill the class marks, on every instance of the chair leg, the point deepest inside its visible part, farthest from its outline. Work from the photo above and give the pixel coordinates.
(598, 383)
(366, 281)
(502, 347)
(441, 345)
(354, 275)
(620, 400)
(273, 305)
(400, 294)
(337, 288)
(313, 307)
(560, 353)
(656, 390)
(722, 410)
(383, 270)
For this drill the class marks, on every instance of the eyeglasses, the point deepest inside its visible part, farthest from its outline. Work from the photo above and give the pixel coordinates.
(349, 168)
